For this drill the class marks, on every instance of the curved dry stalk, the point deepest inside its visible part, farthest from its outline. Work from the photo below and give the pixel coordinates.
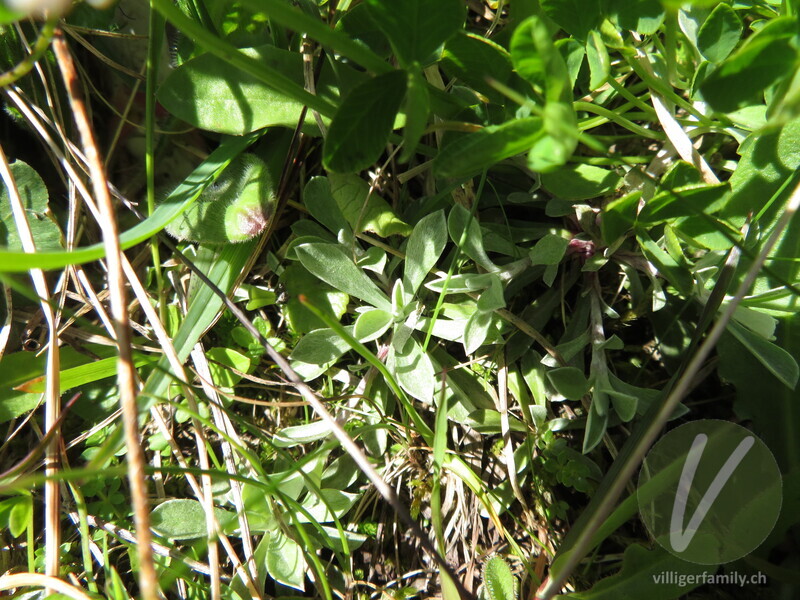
(17, 580)
(126, 373)
(52, 498)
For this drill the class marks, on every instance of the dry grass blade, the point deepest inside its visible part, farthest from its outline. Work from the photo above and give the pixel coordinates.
(18, 580)
(116, 282)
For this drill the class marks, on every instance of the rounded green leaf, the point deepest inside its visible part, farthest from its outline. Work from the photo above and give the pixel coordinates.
(184, 519)
(372, 324)
(580, 182)
(361, 127)
(719, 34)
(570, 382)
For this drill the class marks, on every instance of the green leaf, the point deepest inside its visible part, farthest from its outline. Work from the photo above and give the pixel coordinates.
(685, 201)
(336, 504)
(227, 357)
(640, 571)
(33, 193)
(318, 198)
(761, 61)
(549, 250)
(618, 217)
(361, 127)
(581, 182)
(9, 16)
(570, 382)
(296, 435)
(95, 370)
(416, 28)
(185, 519)
(285, 562)
(474, 60)
(372, 324)
(537, 60)
(297, 280)
(207, 93)
(417, 108)
(471, 153)
(599, 61)
(319, 347)
(466, 231)
(498, 580)
(365, 211)
(20, 515)
(667, 267)
(719, 34)
(239, 206)
(476, 331)
(641, 16)
(334, 267)
(425, 246)
(776, 360)
(413, 369)
(576, 17)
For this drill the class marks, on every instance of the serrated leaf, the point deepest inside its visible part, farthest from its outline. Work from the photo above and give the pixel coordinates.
(425, 246)
(362, 124)
(334, 267)
(720, 33)
(351, 193)
(184, 519)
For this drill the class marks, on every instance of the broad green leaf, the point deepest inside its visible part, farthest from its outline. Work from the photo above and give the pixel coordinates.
(19, 517)
(492, 299)
(549, 250)
(221, 362)
(776, 360)
(365, 211)
(576, 17)
(336, 504)
(498, 580)
(362, 124)
(413, 370)
(640, 571)
(334, 267)
(596, 422)
(667, 267)
(206, 92)
(624, 404)
(476, 331)
(641, 16)
(570, 382)
(180, 199)
(417, 108)
(296, 435)
(185, 519)
(318, 199)
(319, 347)
(285, 562)
(762, 60)
(554, 149)
(358, 25)
(469, 154)
(465, 231)
(425, 246)
(416, 28)
(581, 182)
(720, 33)
(372, 324)
(297, 280)
(33, 193)
(474, 60)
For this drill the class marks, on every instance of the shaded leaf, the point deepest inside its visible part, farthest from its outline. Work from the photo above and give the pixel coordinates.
(352, 193)
(33, 193)
(720, 33)
(425, 246)
(570, 382)
(362, 124)
(580, 182)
